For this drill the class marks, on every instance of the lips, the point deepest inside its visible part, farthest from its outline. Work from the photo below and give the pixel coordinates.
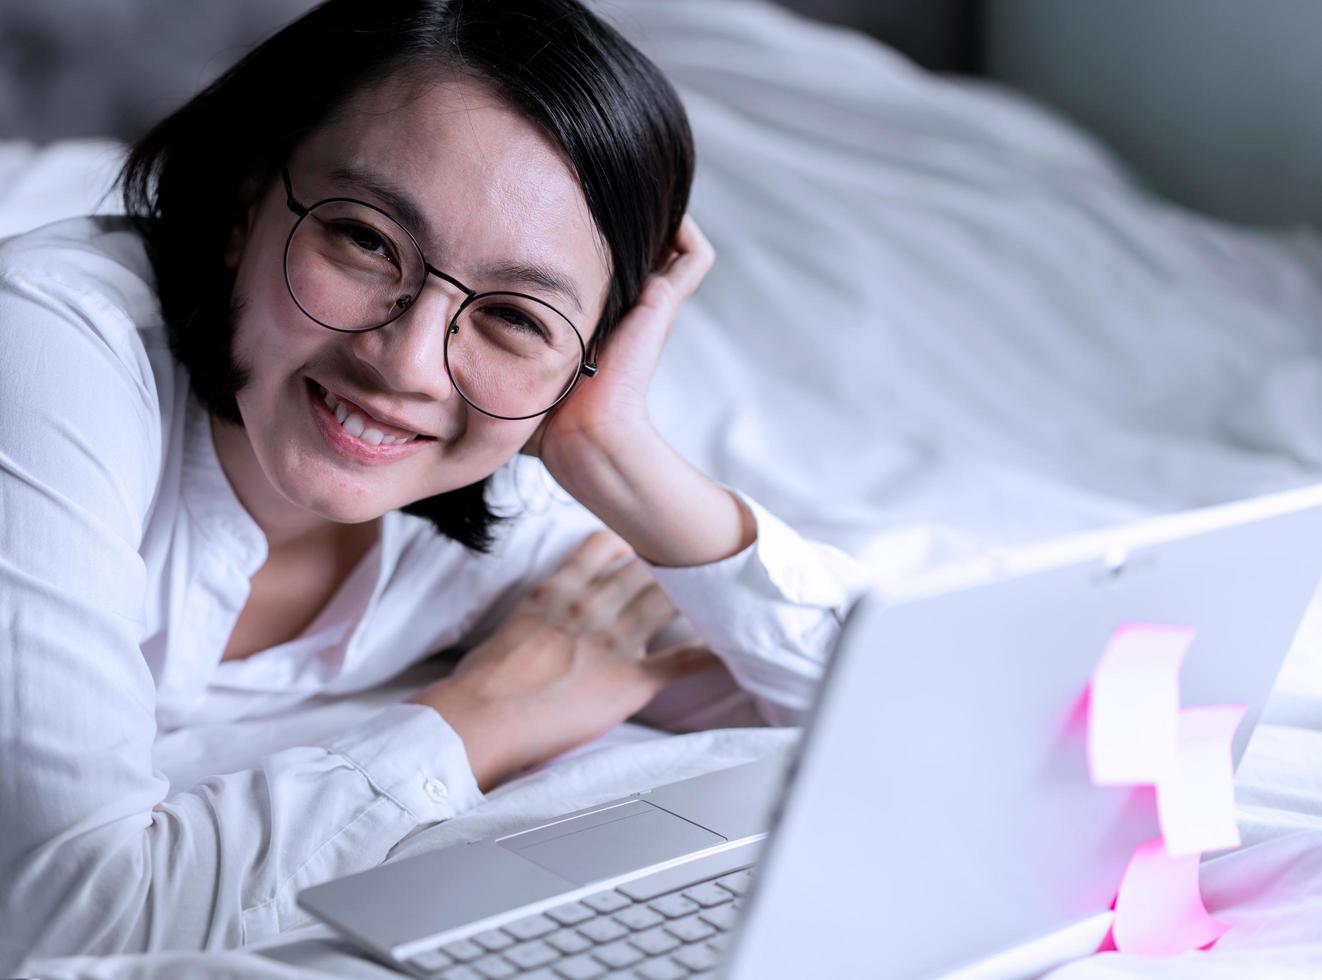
(357, 436)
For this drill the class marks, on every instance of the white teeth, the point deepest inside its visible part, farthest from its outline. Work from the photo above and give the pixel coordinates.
(356, 425)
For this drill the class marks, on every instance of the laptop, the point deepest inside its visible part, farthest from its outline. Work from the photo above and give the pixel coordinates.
(937, 817)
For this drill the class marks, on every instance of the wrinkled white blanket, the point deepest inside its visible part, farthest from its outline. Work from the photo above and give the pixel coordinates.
(940, 320)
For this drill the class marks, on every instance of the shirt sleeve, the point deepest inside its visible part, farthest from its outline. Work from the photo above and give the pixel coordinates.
(97, 855)
(772, 612)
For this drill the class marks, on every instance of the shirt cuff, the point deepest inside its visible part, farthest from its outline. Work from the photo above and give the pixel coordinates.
(772, 612)
(410, 754)
(779, 564)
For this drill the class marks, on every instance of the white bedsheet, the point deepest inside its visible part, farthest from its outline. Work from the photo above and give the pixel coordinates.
(939, 321)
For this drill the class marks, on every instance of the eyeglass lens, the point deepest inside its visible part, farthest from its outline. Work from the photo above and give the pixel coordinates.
(353, 268)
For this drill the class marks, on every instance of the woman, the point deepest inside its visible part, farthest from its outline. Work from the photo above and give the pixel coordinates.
(253, 448)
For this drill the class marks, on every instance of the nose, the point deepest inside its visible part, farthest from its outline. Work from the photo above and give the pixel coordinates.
(408, 354)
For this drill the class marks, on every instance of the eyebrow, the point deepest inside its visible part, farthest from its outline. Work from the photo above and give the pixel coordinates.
(530, 274)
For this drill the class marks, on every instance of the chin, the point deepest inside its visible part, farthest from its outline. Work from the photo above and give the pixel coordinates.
(329, 495)
(341, 510)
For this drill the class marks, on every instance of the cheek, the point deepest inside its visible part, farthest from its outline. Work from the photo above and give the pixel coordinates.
(271, 333)
(485, 446)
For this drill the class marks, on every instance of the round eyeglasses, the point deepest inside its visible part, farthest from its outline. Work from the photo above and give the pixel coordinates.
(351, 267)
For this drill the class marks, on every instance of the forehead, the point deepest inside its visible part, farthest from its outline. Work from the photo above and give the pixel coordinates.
(490, 188)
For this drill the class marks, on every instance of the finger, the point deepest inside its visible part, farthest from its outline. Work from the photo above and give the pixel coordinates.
(693, 258)
(683, 271)
(645, 614)
(597, 552)
(611, 592)
(691, 237)
(665, 666)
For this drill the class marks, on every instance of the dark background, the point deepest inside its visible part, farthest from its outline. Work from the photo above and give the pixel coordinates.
(1214, 103)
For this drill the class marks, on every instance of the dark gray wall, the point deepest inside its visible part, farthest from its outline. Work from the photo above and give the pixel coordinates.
(938, 34)
(1217, 103)
(113, 67)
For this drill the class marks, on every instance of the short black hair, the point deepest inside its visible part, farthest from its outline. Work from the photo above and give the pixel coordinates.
(194, 175)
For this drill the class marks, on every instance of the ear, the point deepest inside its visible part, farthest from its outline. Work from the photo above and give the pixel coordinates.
(234, 247)
(250, 199)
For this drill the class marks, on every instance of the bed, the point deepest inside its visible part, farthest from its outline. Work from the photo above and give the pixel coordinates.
(1024, 341)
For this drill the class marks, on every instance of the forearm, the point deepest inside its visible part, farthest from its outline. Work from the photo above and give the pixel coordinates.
(670, 512)
(219, 864)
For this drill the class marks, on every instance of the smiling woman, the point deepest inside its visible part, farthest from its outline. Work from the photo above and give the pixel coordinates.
(376, 103)
(253, 440)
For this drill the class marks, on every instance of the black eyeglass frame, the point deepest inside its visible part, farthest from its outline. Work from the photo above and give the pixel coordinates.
(587, 362)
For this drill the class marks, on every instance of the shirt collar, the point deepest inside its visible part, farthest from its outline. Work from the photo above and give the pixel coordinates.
(211, 499)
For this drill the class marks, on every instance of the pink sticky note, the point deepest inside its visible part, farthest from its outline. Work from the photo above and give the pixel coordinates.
(1159, 911)
(1196, 802)
(1134, 704)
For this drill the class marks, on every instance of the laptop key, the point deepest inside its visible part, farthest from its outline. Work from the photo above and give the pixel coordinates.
(653, 942)
(580, 968)
(531, 927)
(674, 905)
(432, 961)
(737, 882)
(463, 950)
(569, 942)
(639, 917)
(607, 901)
(698, 957)
(722, 917)
(691, 929)
(617, 954)
(494, 967)
(720, 942)
(573, 913)
(663, 968)
(461, 973)
(603, 930)
(531, 954)
(493, 940)
(708, 894)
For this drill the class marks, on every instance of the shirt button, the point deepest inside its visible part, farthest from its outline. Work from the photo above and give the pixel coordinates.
(436, 790)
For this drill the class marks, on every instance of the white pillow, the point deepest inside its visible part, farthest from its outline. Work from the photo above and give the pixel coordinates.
(934, 302)
(41, 184)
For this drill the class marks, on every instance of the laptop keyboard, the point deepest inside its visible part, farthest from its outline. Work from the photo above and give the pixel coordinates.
(609, 935)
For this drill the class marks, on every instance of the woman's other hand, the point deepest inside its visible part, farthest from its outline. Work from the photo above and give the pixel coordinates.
(611, 408)
(568, 664)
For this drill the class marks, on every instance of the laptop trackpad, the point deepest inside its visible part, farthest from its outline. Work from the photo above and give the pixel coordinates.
(610, 842)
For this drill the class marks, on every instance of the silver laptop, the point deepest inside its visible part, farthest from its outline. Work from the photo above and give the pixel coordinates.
(937, 817)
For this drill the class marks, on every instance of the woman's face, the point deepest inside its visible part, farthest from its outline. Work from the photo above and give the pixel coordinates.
(492, 191)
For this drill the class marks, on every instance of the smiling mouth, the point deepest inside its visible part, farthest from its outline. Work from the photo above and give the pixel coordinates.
(361, 426)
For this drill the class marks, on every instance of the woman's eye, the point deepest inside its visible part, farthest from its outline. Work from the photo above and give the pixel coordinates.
(366, 239)
(520, 322)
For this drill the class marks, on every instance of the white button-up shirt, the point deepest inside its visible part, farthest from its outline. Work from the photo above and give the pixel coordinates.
(125, 559)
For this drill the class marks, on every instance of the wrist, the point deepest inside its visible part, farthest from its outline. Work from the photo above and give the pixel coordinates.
(595, 464)
(486, 738)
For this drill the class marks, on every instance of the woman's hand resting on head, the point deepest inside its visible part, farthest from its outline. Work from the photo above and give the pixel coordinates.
(611, 409)
(568, 664)
(601, 447)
